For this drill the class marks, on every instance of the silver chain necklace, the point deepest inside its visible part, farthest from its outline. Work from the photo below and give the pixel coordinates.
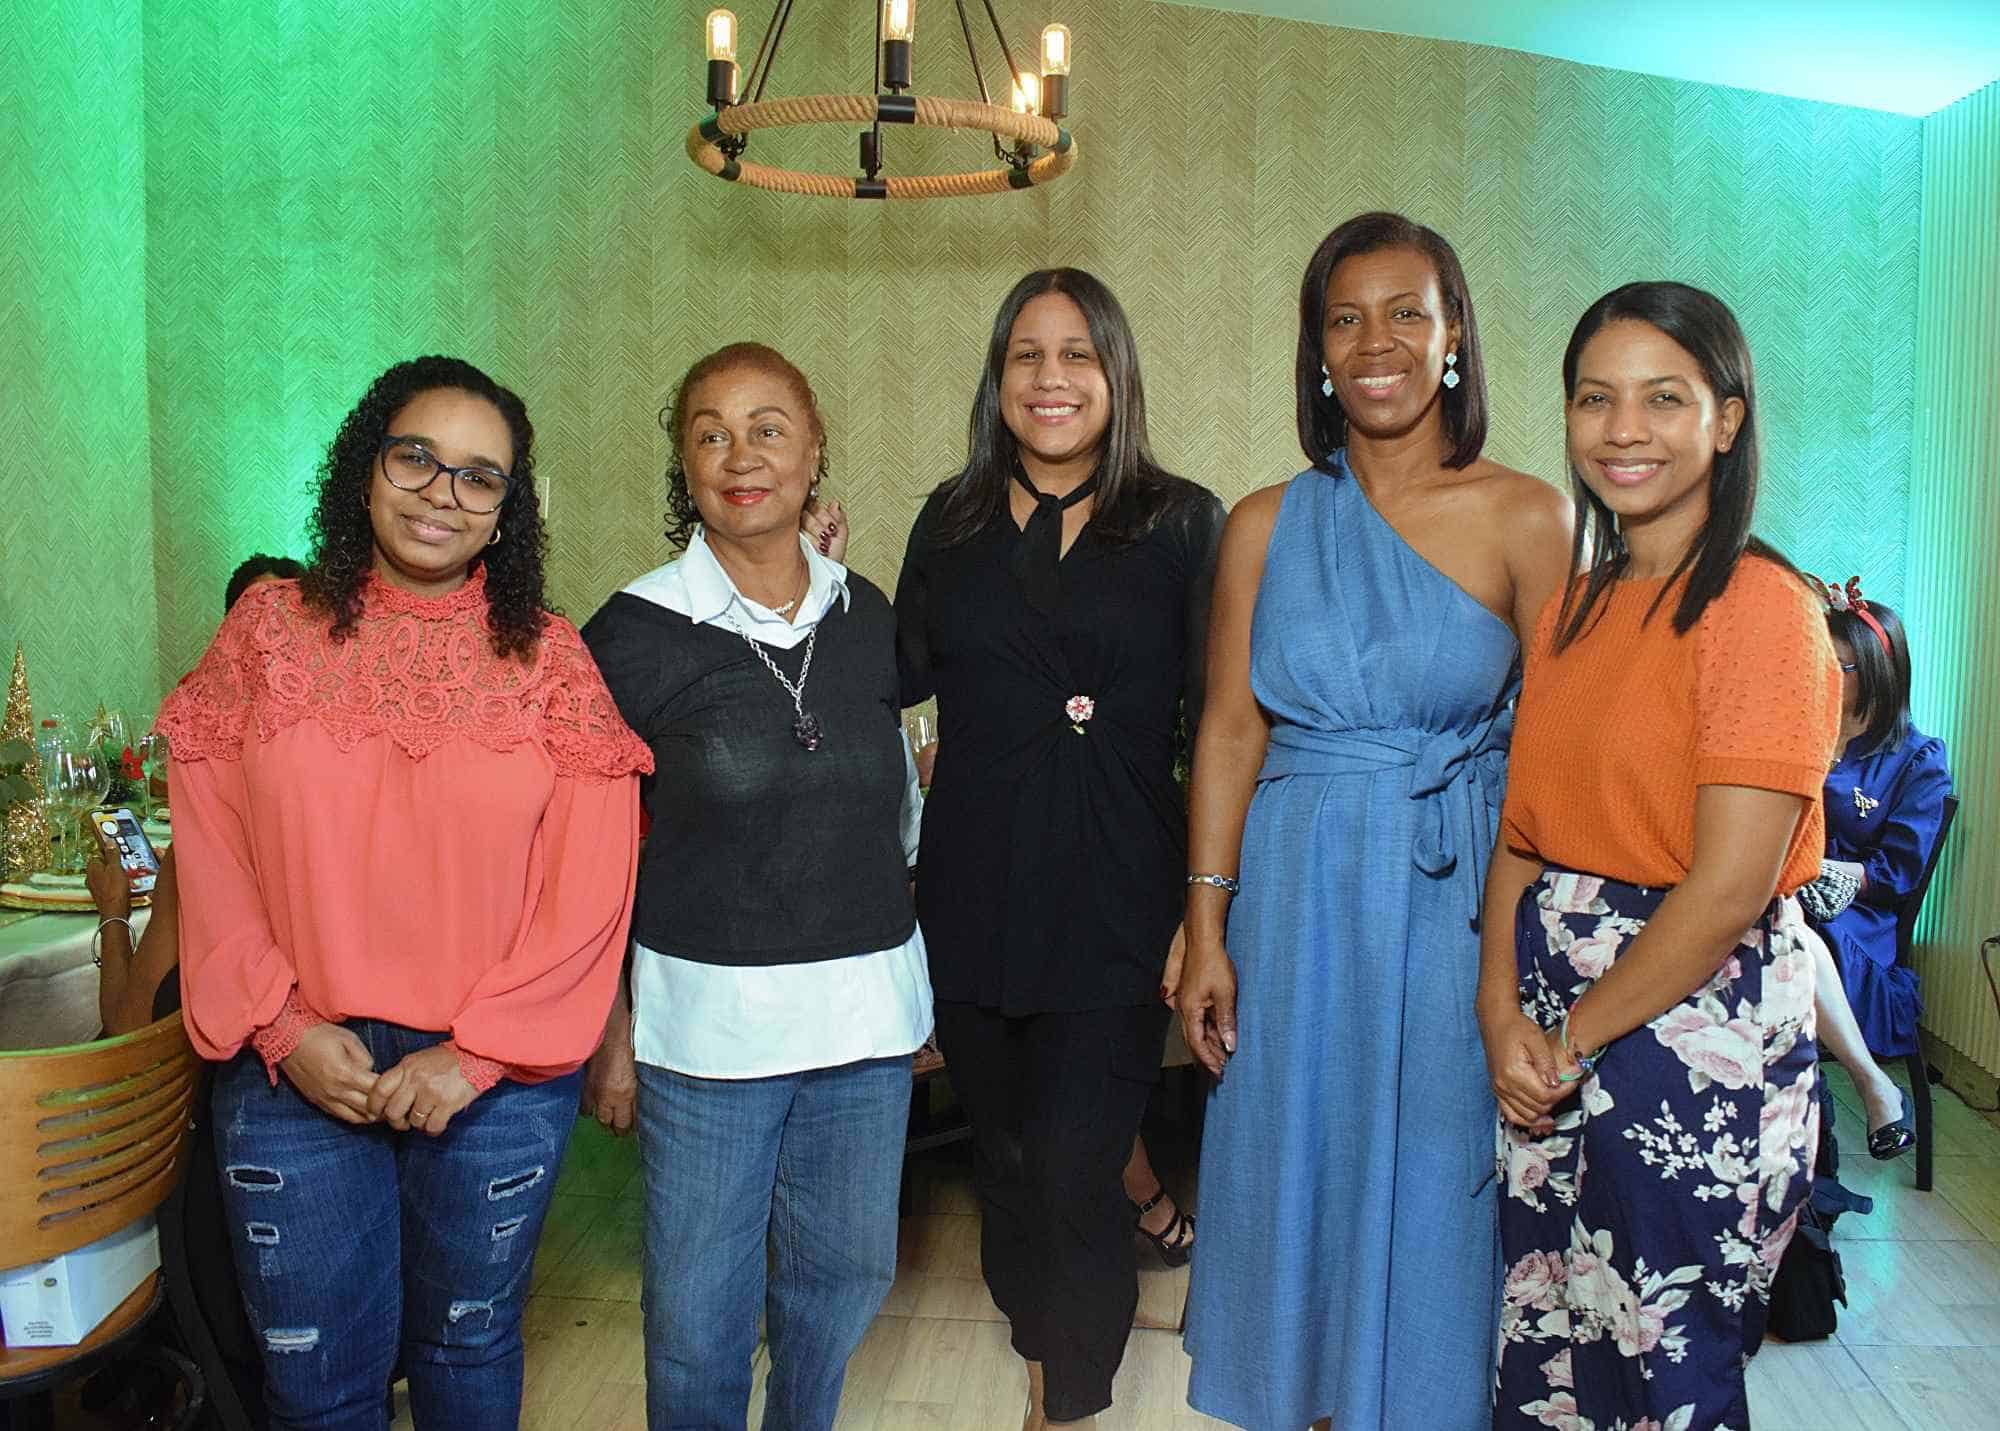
(805, 725)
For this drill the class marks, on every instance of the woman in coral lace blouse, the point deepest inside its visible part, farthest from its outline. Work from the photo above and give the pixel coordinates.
(406, 815)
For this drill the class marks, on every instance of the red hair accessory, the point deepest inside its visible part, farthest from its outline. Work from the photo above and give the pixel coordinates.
(1849, 598)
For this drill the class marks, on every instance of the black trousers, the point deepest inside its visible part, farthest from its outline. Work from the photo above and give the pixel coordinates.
(1055, 1101)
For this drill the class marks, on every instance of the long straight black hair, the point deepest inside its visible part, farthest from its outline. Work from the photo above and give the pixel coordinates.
(1703, 325)
(1881, 675)
(1129, 481)
(1322, 420)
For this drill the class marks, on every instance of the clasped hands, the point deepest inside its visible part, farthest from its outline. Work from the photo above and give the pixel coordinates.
(333, 1071)
(1530, 1070)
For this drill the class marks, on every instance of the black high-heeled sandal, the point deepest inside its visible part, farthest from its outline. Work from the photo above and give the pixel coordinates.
(1894, 1139)
(1175, 1241)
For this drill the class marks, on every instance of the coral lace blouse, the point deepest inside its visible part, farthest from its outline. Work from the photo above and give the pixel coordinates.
(402, 826)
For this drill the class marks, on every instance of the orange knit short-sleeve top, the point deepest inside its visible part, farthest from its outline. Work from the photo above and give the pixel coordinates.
(1613, 735)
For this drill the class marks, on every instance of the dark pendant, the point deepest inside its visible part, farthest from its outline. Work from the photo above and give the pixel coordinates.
(805, 730)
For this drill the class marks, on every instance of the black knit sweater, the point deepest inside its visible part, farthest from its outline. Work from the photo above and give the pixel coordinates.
(761, 851)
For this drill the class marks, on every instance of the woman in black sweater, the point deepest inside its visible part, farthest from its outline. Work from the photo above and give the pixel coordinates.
(778, 982)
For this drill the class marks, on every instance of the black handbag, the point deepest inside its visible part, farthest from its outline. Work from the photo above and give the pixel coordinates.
(1808, 1283)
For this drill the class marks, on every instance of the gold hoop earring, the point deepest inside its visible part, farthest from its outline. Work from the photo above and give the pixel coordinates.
(494, 540)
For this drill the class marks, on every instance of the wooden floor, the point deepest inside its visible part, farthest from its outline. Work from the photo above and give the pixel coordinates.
(1918, 1346)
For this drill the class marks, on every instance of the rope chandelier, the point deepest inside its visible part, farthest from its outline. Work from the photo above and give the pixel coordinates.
(1029, 145)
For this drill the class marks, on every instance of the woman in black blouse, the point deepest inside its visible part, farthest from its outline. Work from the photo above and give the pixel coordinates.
(1054, 598)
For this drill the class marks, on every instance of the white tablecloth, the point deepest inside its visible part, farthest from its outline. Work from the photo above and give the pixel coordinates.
(48, 986)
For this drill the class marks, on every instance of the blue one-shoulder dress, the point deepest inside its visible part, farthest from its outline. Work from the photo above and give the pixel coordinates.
(1348, 1262)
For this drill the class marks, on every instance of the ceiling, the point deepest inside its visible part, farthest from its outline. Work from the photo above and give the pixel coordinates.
(1906, 56)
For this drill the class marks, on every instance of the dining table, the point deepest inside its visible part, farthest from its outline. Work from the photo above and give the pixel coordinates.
(48, 980)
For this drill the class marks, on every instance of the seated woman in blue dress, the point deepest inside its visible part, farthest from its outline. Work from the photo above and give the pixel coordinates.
(1884, 802)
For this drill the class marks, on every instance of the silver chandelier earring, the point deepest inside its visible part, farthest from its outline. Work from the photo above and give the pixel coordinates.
(1450, 370)
(1325, 380)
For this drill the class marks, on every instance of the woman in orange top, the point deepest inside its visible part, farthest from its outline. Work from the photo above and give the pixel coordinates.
(1645, 995)
(406, 816)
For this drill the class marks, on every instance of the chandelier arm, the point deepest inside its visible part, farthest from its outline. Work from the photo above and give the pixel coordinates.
(777, 37)
(979, 78)
(972, 53)
(764, 43)
(1006, 50)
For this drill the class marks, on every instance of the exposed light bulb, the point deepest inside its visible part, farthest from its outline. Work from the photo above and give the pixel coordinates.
(1055, 50)
(899, 19)
(1027, 94)
(721, 28)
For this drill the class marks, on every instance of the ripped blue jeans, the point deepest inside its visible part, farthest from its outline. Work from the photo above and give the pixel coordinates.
(355, 1243)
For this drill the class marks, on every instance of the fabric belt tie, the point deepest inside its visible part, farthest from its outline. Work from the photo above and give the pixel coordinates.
(1437, 765)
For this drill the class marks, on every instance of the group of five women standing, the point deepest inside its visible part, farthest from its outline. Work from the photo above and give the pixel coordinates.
(1375, 946)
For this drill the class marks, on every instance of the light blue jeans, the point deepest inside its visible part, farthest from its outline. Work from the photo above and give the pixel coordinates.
(798, 1173)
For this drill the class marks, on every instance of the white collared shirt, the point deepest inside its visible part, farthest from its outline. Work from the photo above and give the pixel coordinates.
(727, 1021)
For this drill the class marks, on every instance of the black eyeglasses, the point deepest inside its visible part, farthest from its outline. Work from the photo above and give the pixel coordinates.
(410, 467)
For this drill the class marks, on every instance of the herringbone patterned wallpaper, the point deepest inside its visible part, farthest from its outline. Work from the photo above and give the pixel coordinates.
(76, 509)
(331, 186)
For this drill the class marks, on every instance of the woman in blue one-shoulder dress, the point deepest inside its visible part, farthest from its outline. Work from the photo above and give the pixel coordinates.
(1363, 665)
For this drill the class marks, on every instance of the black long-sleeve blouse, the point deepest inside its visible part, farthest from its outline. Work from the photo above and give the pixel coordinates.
(1054, 857)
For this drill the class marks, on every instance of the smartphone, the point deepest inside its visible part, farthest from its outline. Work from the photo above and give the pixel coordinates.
(121, 830)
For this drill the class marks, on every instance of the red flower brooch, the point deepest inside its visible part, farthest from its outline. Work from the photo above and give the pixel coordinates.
(1079, 709)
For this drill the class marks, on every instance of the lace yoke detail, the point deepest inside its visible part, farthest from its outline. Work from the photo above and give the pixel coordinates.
(420, 670)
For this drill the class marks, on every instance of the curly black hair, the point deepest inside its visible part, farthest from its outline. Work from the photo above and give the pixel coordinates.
(682, 515)
(343, 540)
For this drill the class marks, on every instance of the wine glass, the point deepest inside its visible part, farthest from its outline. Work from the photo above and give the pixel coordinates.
(49, 753)
(51, 736)
(74, 780)
(92, 784)
(153, 755)
(110, 729)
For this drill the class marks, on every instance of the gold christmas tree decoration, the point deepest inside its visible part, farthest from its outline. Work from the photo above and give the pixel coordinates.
(25, 845)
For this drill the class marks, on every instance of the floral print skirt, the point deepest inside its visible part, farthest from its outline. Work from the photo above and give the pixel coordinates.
(1641, 1235)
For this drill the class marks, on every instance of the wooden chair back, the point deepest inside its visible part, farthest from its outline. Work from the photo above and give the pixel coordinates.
(91, 1137)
